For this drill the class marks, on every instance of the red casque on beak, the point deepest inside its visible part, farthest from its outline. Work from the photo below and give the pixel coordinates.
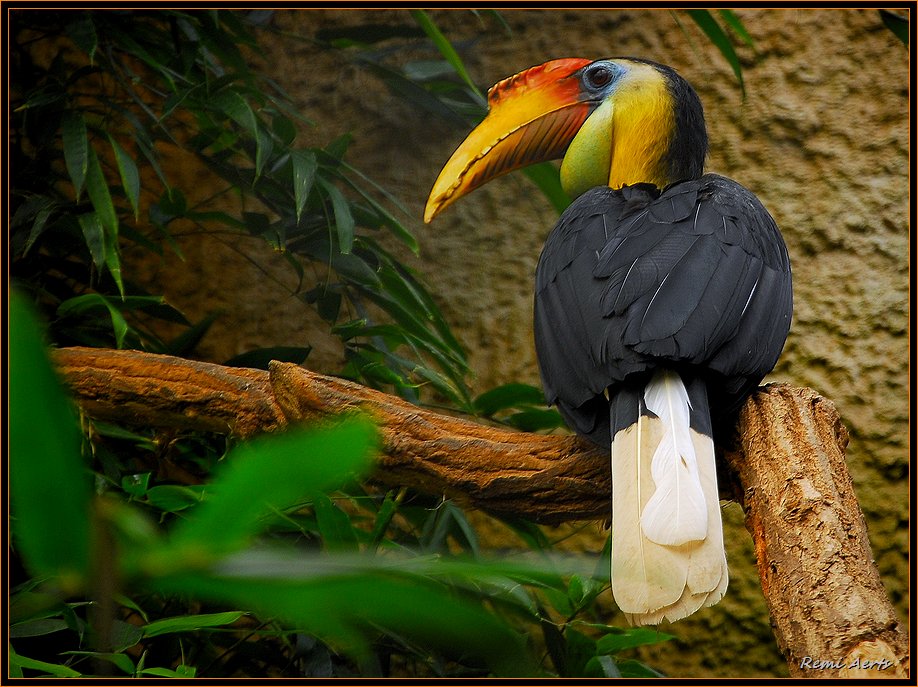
(532, 117)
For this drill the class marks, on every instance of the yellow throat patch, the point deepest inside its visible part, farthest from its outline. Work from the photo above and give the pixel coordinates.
(626, 139)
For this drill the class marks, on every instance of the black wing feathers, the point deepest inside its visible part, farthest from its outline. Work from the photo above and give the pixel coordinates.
(696, 276)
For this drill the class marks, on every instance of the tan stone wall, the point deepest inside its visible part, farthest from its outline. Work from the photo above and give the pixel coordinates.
(821, 138)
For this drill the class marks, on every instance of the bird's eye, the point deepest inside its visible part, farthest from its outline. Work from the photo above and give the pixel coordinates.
(599, 76)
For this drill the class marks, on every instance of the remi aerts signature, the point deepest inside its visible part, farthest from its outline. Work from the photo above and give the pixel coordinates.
(857, 663)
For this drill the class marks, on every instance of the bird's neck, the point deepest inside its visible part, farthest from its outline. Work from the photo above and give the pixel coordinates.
(626, 140)
(643, 129)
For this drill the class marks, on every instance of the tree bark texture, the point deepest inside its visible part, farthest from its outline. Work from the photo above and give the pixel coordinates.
(830, 613)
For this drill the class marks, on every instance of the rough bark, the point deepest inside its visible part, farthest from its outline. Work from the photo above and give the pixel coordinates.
(831, 615)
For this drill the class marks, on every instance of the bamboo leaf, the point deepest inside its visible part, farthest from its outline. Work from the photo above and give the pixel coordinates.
(190, 623)
(113, 263)
(99, 194)
(181, 671)
(55, 669)
(122, 661)
(897, 24)
(347, 609)
(617, 641)
(83, 33)
(76, 149)
(94, 235)
(511, 395)
(130, 177)
(304, 172)
(446, 49)
(735, 23)
(334, 525)
(546, 176)
(88, 301)
(706, 22)
(270, 474)
(263, 147)
(344, 220)
(49, 485)
(38, 209)
(237, 108)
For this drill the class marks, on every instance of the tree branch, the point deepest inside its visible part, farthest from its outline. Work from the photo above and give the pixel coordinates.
(823, 591)
(827, 602)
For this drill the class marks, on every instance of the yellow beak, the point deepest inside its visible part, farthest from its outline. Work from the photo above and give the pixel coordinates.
(532, 117)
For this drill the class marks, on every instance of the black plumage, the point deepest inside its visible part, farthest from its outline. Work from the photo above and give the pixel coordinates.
(695, 278)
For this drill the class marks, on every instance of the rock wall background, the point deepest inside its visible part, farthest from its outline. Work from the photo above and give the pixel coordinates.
(821, 138)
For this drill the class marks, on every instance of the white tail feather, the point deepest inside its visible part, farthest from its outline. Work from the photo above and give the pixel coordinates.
(676, 514)
(665, 489)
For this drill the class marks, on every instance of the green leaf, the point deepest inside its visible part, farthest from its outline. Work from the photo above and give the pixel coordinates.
(529, 532)
(546, 176)
(271, 473)
(446, 49)
(191, 337)
(511, 395)
(579, 650)
(418, 97)
(190, 623)
(735, 23)
(706, 22)
(81, 304)
(130, 177)
(602, 666)
(181, 671)
(344, 221)
(395, 227)
(37, 628)
(49, 485)
(43, 667)
(334, 525)
(125, 635)
(535, 419)
(347, 609)
(94, 235)
(28, 605)
(261, 357)
(264, 145)
(38, 209)
(82, 31)
(173, 498)
(76, 149)
(614, 642)
(387, 511)
(337, 149)
(136, 485)
(896, 23)
(237, 108)
(304, 171)
(99, 194)
(113, 263)
(101, 198)
(122, 661)
(630, 668)
(354, 268)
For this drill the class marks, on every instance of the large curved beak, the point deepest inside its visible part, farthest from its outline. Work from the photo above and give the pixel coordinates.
(532, 117)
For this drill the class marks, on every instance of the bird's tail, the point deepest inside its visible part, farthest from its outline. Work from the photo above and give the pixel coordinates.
(667, 540)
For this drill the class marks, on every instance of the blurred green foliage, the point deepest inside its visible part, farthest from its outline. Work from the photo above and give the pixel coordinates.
(319, 577)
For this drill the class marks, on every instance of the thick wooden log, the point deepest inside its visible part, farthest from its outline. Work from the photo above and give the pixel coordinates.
(831, 615)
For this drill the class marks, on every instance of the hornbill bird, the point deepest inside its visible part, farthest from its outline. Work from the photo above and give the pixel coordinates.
(663, 297)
